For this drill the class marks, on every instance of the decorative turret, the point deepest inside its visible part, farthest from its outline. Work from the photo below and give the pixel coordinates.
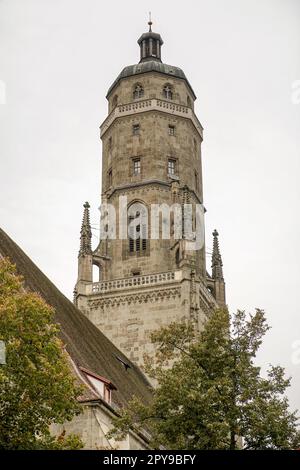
(217, 271)
(86, 232)
(150, 44)
(85, 256)
(217, 265)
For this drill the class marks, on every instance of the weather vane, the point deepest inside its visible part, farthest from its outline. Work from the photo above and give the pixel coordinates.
(150, 22)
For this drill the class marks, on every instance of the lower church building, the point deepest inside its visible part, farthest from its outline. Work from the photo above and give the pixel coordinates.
(108, 377)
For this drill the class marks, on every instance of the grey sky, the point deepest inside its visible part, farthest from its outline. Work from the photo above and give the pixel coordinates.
(57, 60)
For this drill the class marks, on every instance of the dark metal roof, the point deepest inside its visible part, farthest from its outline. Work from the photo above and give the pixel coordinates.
(150, 66)
(152, 35)
(84, 342)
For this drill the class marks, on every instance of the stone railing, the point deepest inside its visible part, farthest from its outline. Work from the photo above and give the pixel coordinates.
(136, 106)
(133, 282)
(173, 107)
(153, 105)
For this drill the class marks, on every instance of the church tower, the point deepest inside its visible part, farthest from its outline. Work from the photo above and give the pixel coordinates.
(151, 157)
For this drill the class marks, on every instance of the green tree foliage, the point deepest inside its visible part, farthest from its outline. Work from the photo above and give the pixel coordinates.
(36, 385)
(210, 392)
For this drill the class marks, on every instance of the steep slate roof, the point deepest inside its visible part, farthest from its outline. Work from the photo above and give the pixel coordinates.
(85, 344)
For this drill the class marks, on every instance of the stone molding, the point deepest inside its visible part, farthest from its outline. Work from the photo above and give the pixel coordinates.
(158, 295)
(153, 104)
(146, 186)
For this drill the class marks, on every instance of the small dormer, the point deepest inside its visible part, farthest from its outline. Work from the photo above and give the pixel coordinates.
(100, 384)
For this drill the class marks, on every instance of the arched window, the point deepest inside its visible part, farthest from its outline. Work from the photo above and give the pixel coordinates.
(177, 257)
(196, 181)
(137, 228)
(115, 101)
(138, 92)
(168, 92)
(211, 290)
(96, 273)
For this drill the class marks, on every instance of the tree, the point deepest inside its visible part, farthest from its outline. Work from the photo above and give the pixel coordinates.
(210, 393)
(36, 384)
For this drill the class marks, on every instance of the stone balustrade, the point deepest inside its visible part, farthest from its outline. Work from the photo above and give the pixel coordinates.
(133, 282)
(151, 105)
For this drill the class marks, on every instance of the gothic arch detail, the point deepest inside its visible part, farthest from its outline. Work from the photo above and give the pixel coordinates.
(138, 226)
(138, 91)
(140, 298)
(168, 91)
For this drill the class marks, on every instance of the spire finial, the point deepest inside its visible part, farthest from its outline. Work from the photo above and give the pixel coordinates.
(86, 232)
(216, 262)
(150, 44)
(150, 22)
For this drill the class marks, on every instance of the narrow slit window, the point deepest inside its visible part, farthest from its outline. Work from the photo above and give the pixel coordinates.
(196, 181)
(110, 177)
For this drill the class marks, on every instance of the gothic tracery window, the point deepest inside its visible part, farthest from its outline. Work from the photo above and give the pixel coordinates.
(138, 92)
(167, 92)
(137, 230)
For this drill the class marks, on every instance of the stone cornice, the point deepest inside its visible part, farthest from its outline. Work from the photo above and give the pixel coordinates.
(154, 104)
(141, 297)
(140, 184)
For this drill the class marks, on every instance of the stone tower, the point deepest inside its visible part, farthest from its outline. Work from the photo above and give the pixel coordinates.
(151, 154)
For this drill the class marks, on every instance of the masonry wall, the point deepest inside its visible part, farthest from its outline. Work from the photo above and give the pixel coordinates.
(92, 426)
(128, 315)
(154, 146)
(152, 83)
(160, 255)
(125, 312)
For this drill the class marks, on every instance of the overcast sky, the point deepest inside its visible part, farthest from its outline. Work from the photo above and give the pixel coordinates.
(242, 57)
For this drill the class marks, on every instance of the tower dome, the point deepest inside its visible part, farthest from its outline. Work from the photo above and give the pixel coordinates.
(150, 61)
